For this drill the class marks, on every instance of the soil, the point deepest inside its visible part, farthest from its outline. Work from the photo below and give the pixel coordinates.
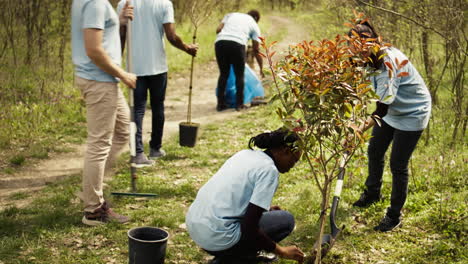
(63, 165)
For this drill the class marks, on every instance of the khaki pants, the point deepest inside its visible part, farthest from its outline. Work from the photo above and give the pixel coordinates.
(108, 119)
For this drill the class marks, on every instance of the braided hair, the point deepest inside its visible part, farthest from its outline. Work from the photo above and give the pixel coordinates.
(274, 140)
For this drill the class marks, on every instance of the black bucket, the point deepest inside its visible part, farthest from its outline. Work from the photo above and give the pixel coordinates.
(188, 134)
(147, 245)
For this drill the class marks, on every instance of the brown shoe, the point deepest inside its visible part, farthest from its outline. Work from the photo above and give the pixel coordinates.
(103, 215)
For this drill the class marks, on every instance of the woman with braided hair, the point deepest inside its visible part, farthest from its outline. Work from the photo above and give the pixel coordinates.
(232, 217)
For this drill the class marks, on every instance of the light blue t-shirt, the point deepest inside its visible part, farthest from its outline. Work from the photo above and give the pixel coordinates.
(98, 14)
(239, 28)
(214, 218)
(408, 99)
(148, 53)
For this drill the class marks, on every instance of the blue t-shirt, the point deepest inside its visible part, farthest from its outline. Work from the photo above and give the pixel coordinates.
(239, 28)
(408, 99)
(98, 14)
(148, 53)
(214, 218)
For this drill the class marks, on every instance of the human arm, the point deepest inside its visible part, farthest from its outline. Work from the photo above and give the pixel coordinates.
(258, 57)
(253, 234)
(94, 50)
(219, 28)
(177, 42)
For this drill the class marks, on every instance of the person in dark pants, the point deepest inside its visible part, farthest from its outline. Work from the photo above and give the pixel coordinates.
(153, 19)
(233, 33)
(403, 111)
(232, 217)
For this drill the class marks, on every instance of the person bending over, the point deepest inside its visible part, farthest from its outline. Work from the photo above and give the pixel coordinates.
(404, 110)
(232, 217)
(233, 33)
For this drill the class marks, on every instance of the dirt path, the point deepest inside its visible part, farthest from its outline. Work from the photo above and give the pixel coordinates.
(63, 165)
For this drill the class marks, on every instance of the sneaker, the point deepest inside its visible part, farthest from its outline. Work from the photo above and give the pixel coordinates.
(261, 257)
(266, 257)
(388, 224)
(142, 161)
(103, 215)
(367, 199)
(157, 153)
(241, 107)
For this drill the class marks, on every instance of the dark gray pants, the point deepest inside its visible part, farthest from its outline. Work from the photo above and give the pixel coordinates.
(404, 143)
(156, 86)
(277, 225)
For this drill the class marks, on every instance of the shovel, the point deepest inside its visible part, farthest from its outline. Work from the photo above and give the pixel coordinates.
(328, 240)
(133, 129)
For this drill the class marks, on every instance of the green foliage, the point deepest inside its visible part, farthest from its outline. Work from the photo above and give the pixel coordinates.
(48, 228)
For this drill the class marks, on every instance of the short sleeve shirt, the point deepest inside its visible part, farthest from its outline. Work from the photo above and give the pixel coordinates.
(96, 14)
(213, 219)
(239, 28)
(147, 48)
(407, 97)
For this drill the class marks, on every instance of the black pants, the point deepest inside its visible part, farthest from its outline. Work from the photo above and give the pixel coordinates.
(156, 85)
(404, 143)
(230, 53)
(277, 225)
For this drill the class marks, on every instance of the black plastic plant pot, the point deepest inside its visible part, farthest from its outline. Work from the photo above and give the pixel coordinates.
(147, 245)
(188, 134)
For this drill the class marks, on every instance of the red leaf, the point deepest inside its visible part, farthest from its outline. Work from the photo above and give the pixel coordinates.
(403, 74)
(389, 65)
(402, 64)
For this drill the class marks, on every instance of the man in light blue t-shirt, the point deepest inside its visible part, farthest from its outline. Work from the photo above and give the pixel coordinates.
(96, 54)
(234, 32)
(153, 19)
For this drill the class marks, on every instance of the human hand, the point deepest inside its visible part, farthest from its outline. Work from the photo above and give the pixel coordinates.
(275, 208)
(290, 252)
(129, 79)
(126, 13)
(192, 49)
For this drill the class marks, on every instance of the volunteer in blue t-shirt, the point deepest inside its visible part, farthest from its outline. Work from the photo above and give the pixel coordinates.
(233, 33)
(153, 19)
(232, 217)
(404, 110)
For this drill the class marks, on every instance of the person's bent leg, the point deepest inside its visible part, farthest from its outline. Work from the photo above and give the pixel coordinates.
(101, 108)
(277, 224)
(222, 58)
(157, 88)
(404, 143)
(381, 138)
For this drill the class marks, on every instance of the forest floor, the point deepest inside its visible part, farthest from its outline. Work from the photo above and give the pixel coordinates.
(63, 165)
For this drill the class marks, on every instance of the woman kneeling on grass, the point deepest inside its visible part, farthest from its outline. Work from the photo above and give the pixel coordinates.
(231, 217)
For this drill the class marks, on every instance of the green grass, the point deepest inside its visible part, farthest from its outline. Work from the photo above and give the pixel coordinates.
(434, 228)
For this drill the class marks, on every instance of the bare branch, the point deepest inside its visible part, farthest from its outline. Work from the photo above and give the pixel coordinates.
(412, 20)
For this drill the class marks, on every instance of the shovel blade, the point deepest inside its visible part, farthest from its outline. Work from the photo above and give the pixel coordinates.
(326, 244)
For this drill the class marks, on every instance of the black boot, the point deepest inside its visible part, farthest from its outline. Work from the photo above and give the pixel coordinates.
(367, 199)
